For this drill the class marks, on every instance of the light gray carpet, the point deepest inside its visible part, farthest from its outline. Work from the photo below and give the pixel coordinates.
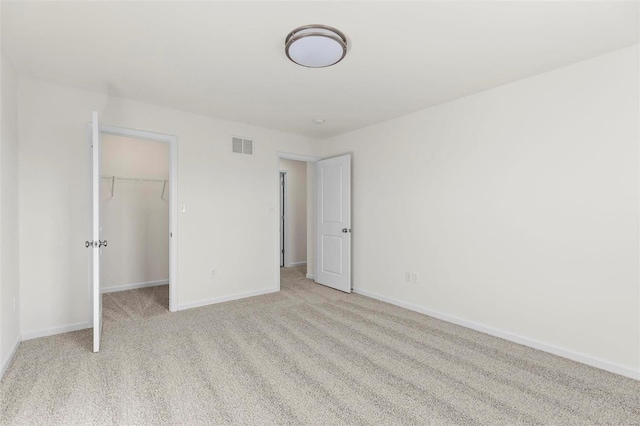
(305, 355)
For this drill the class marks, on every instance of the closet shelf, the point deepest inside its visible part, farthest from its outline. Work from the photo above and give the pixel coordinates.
(113, 179)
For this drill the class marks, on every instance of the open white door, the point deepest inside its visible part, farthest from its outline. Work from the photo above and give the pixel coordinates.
(96, 244)
(333, 216)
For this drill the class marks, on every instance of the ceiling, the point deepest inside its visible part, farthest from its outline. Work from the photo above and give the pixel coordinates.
(226, 59)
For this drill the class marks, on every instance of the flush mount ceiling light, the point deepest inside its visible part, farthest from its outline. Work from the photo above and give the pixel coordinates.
(316, 46)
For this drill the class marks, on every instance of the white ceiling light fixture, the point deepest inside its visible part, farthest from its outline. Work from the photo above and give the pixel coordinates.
(319, 120)
(316, 46)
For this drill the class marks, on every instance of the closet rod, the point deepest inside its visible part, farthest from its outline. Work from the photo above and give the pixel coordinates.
(113, 178)
(134, 178)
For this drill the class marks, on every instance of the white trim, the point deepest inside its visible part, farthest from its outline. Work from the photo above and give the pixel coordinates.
(172, 140)
(173, 226)
(293, 264)
(639, 205)
(7, 362)
(512, 337)
(638, 301)
(298, 157)
(284, 203)
(133, 286)
(229, 298)
(287, 252)
(311, 277)
(55, 330)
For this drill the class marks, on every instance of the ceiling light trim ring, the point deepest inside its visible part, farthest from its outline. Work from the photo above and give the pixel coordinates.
(329, 32)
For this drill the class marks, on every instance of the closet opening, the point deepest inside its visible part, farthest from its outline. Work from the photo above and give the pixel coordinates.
(137, 206)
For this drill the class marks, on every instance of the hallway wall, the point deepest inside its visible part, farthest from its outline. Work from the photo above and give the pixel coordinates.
(296, 213)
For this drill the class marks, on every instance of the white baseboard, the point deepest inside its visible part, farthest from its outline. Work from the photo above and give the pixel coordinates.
(565, 353)
(229, 298)
(134, 286)
(7, 362)
(311, 277)
(55, 330)
(293, 264)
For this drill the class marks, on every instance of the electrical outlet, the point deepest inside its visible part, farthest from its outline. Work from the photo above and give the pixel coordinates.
(407, 277)
(214, 273)
(414, 278)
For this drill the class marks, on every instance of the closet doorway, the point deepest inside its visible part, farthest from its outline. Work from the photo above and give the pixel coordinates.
(293, 213)
(138, 205)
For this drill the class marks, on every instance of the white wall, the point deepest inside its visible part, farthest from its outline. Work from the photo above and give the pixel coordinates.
(222, 193)
(135, 220)
(517, 207)
(296, 212)
(9, 270)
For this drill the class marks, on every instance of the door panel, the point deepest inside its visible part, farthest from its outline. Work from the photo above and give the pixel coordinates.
(332, 254)
(333, 209)
(332, 194)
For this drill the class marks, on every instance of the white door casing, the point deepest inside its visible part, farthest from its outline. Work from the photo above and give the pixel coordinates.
(96, 246)
(173, 197)
(282, 223)
(333, 221)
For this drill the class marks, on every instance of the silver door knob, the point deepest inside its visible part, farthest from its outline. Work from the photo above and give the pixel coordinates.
(345, 230)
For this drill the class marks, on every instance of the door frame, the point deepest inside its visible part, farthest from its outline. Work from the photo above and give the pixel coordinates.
(172, 140)
(282, 220)
(286, 156)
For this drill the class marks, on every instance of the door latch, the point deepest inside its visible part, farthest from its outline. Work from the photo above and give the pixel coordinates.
(88, 244)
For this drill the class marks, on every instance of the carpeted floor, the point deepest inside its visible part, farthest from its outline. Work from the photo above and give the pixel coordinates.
(305, 355)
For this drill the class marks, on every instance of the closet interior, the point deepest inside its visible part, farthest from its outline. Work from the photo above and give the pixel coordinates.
(135, 213)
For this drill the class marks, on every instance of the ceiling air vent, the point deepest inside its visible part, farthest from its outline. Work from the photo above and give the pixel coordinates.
(242, 146)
